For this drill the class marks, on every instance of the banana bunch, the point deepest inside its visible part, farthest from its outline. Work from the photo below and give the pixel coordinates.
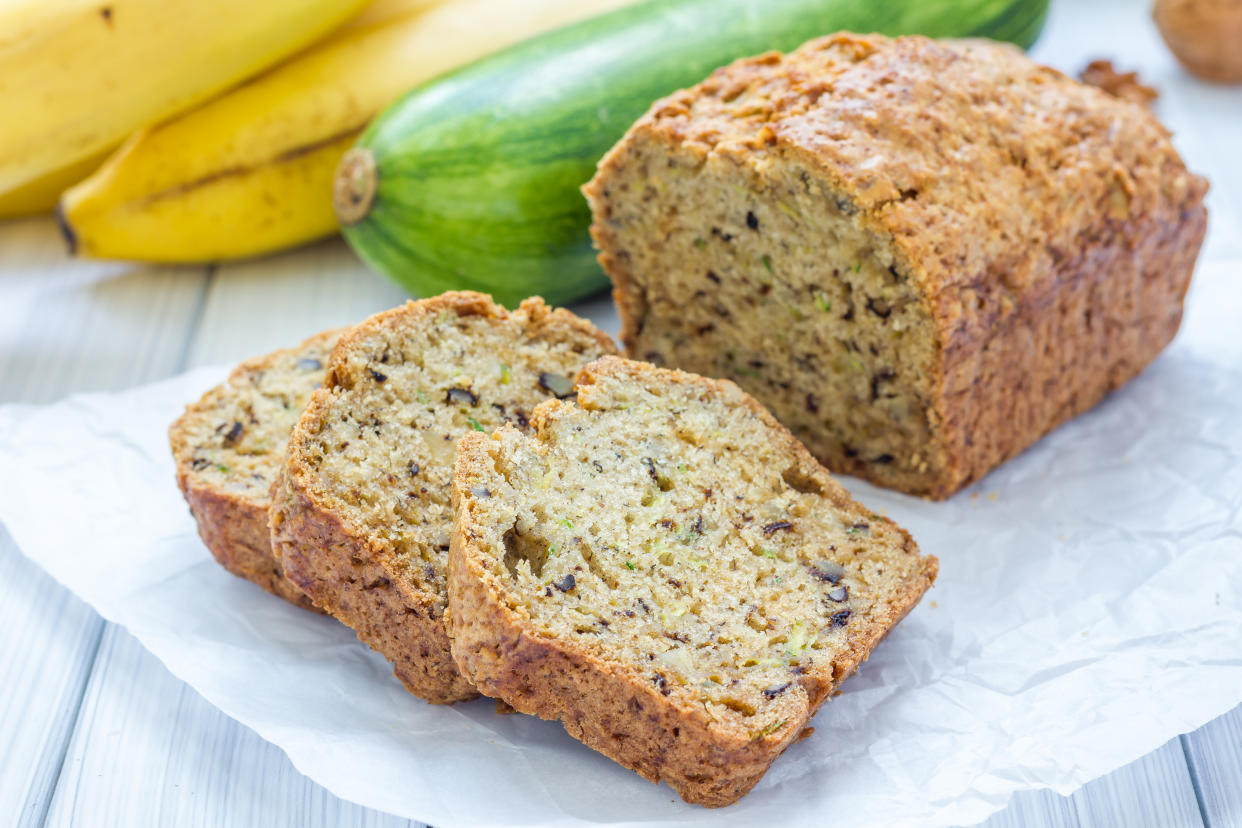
(77, 77)
(250, 171)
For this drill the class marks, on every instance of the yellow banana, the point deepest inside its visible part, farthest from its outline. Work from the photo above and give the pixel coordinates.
(42, 194)
(383, 11)
(77, 76)
(251, 171)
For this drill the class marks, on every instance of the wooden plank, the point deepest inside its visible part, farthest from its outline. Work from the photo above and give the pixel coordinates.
(1042, 808)
(45, 657)
(255, 307)
(1153, 792)
(150, 751)
(66, 326)
(1215, 755)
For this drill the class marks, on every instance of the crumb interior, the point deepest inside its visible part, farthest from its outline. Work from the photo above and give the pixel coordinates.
(383, 453)
(668, 529)
(237, 436)
(764, 275)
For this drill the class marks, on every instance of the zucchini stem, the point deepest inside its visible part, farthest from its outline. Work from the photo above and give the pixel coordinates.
(353, 188)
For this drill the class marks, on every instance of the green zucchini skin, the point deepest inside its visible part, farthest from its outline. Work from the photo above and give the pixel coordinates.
(479, 171)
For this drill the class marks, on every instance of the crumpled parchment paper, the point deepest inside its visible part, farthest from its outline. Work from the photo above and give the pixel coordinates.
(1087, 611)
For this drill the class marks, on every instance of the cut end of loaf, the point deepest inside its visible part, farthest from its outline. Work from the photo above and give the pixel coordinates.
(676, 548)
(773, 279)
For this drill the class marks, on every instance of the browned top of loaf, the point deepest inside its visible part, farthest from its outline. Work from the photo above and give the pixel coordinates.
(947, 146)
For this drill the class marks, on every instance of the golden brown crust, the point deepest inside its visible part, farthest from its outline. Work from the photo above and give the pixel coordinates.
(661, 735)
(1052, 255)
(235, 531)
(233, 522)
(354, 572)
(351, 577)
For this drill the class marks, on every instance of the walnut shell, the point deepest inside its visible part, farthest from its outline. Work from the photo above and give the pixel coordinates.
(1204, 35)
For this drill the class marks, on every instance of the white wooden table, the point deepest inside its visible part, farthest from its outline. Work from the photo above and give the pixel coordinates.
(95, 731)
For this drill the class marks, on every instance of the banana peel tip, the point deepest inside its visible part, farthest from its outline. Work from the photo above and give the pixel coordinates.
(66, 229)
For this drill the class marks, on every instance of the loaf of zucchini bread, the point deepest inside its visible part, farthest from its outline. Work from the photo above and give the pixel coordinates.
(229, 447)
(360, 514)
(664, 568)
(920, 255)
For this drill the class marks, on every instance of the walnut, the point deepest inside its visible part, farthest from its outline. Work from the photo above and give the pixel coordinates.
(1204, 36)
(1124, 85)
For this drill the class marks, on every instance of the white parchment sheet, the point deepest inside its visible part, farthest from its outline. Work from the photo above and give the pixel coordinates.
(1088, 609)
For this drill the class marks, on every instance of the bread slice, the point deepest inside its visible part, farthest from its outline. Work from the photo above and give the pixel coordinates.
(663, 567)
(361, 514)
(920, 255)
(229, 447)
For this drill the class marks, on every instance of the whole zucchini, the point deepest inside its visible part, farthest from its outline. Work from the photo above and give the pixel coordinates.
(471, 180)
